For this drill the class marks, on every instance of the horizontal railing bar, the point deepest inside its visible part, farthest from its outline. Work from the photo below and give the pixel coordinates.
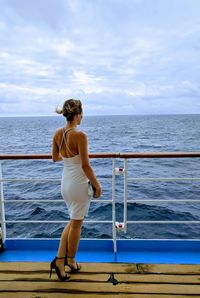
(161, 239)
(110, 155)
(163, 200)
(30, 180)
(131, 239)
(110, 221)
(163, 179)
(40, 180)
(52, 238)
(49, 156)
(107, 201)
(164, 222)
(55, 221)
(30, 200)
(160, 155)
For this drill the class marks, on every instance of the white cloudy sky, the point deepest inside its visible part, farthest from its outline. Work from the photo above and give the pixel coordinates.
(117, 56)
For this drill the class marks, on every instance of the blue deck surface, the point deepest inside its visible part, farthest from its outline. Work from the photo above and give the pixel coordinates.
(128, 251)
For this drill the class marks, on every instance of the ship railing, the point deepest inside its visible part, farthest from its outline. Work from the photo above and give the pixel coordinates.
(4, 201)
(127, 179)
(115, 171)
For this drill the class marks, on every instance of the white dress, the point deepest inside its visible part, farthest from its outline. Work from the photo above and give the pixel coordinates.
(74, 185)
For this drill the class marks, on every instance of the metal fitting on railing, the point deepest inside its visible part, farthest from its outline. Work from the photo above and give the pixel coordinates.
(119, 226)
(119, 171)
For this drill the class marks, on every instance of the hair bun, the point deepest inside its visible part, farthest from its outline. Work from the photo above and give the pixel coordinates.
(71, 107)
(59, 110)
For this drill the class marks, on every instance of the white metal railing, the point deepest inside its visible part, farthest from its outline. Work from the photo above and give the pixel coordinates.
(122, 171)
(126, 201)
(4, 221)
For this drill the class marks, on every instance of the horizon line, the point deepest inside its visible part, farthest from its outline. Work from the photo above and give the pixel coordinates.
(101, 115)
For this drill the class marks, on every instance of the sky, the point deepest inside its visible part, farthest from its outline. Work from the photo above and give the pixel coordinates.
(116, 56)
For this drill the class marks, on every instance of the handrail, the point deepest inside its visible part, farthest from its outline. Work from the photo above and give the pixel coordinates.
(49, 156)
(160, 154)
(110, 155)
(114, 156)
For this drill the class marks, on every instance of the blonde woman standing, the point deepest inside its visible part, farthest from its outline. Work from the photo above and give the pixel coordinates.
(71, 146)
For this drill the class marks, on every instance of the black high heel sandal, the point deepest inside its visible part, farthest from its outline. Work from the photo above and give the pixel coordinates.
(73, 270)
(53, 266)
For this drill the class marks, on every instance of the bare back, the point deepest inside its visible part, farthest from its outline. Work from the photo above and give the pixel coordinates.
(67, 141)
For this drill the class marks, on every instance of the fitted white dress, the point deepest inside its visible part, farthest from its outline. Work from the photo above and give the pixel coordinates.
(74, 185)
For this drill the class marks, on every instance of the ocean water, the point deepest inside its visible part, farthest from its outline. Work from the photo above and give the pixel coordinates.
(106, 134)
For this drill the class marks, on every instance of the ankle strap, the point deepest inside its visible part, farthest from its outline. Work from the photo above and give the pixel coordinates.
(60, 258)
(70, 257)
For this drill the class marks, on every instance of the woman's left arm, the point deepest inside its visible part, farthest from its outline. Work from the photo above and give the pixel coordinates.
(55, 151)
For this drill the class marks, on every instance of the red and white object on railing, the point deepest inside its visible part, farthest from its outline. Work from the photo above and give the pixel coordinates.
(119, 226)
(119, 171)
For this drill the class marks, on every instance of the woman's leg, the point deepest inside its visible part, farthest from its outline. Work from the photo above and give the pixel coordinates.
(73, 239)
(63, 246)
(62, 250)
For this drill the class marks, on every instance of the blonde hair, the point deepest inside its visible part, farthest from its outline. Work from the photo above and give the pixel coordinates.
(71, 107)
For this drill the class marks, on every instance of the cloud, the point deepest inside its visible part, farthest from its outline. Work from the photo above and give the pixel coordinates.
(117, 57)
(64, 47)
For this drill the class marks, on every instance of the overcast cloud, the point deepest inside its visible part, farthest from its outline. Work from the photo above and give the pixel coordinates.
(117, 56)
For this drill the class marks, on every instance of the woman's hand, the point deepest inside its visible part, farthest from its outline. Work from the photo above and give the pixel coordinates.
(97, 192)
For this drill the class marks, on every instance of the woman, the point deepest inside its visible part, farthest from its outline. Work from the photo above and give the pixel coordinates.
(71, 146)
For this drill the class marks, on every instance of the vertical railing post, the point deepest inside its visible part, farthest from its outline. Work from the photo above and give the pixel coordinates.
(113, 206)
(125, 194)
(2, 210)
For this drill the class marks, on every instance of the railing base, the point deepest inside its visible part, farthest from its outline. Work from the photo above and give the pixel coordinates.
(128, 251)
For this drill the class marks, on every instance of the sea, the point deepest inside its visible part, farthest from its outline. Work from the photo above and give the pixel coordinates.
(119, 133)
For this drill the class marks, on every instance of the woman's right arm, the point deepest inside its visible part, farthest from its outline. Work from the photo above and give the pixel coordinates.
(85, 163)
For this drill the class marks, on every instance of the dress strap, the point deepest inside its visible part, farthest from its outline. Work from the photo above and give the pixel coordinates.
(64, 139)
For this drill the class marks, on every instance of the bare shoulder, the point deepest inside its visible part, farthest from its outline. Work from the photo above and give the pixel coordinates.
(82, 136)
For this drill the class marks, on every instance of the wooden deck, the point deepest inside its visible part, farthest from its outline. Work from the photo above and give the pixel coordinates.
(31, 280)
